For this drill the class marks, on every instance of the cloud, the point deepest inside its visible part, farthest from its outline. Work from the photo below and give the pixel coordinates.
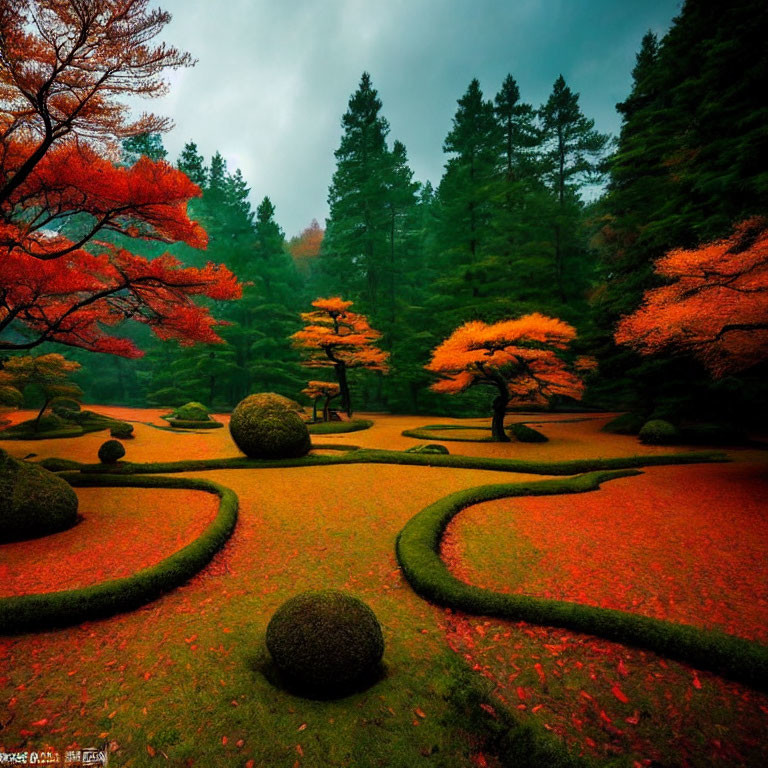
(273, 79)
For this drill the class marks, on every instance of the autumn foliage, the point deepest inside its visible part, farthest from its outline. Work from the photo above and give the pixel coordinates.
(334, 337)
(322, 390)
(50, 373)
(522, 359)
(715, 306)
(306, 247)
(63, 70)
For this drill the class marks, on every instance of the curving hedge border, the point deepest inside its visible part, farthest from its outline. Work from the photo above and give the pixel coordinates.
(36, 612)
(418, 548)
(366, 456)
(427, 432)
(339, 427)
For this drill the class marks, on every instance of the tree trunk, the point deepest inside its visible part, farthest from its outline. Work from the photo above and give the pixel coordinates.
(314, 409)
(500, 403)
(346, 401)
(40, 414)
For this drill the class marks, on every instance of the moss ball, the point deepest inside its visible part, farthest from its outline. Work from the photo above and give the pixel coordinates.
(658, 432)
(111, 451)
(192, 412)
(33, 501)
(326, 643)
(429, 448)
(122, 430)
(265, 426)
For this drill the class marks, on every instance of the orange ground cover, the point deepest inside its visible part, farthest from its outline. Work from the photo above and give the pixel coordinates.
(685, 544)
(122, 531)
(181, 664)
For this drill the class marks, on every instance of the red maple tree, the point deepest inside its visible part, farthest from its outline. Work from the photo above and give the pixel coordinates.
(65, 65)
(521, 359)
(321, 390)
(334, 337)
(715, 306)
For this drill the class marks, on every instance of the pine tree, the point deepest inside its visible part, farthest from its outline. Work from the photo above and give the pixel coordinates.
(193, 164)
(355, 245)
(572, 149)
(143, 145)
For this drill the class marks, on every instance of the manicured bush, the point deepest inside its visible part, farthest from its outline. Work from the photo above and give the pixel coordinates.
(626, 424)
(659, 432)
(525, 434)
(264, 426)
(122, 430)
(67, 404)
(111, 451)
(325, 643)
(432, 448)
(10, 397)
(33, 501)
(192, 412)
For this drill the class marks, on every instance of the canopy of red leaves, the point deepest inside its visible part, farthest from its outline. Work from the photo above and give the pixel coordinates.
(318, 389)
(306, 247)
(64, 66)
(333, 334)
(523, 353)
(715, 306)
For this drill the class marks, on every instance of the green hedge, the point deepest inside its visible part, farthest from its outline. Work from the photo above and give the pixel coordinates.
(365, 456)
(525, 434)
(337, 427)
(36, 612)
(54, 426)
(188, 424)
(428, 432)
(418, 547)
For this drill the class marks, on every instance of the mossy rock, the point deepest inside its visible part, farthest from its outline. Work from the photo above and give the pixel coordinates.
(326, 643)
(33, 501)
(659, 432)
(525, 434)
(192, 412)
(626, 424)
(67, 404)
(429, 448)
(111, 452)
(265, 427)
(122, 430)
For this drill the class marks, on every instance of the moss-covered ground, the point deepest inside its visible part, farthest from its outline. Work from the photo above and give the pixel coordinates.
(179, 680)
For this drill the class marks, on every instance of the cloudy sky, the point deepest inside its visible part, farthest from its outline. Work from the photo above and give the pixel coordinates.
(273, 77)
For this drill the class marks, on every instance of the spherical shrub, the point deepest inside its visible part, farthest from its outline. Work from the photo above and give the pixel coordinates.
(111, 452)
(658, 432)
(33, 501)
(433, 448)
(265, 427)
(192, 412)
(325, 643)
(122, 430)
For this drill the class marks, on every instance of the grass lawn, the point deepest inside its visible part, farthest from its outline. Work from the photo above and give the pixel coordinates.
(180, 680)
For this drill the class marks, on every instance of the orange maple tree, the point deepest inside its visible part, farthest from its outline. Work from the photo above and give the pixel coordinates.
(65, 65)
(321, 390)
(334, 337)
(521, 359)
(306, 247)
(715, 306)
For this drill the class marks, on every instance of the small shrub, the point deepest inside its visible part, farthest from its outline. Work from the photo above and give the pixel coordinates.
(659, 432)
(265, 426)
(122, 430)
(525, 434)
(325, 643)
(66, 403)
(626, 424)
(192, 412)
(33, 501)
(429, 448)
(111, 452)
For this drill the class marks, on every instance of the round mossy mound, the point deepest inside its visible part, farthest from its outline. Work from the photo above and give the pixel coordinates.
(192, 412)
(122, 430)
(111, 452)
(430, 448)
(326, 643)
(659, 432)
(33, 501)
(264, 426)
(525, 434)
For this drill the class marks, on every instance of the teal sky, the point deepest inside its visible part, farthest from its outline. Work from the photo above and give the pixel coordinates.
(273, 78)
